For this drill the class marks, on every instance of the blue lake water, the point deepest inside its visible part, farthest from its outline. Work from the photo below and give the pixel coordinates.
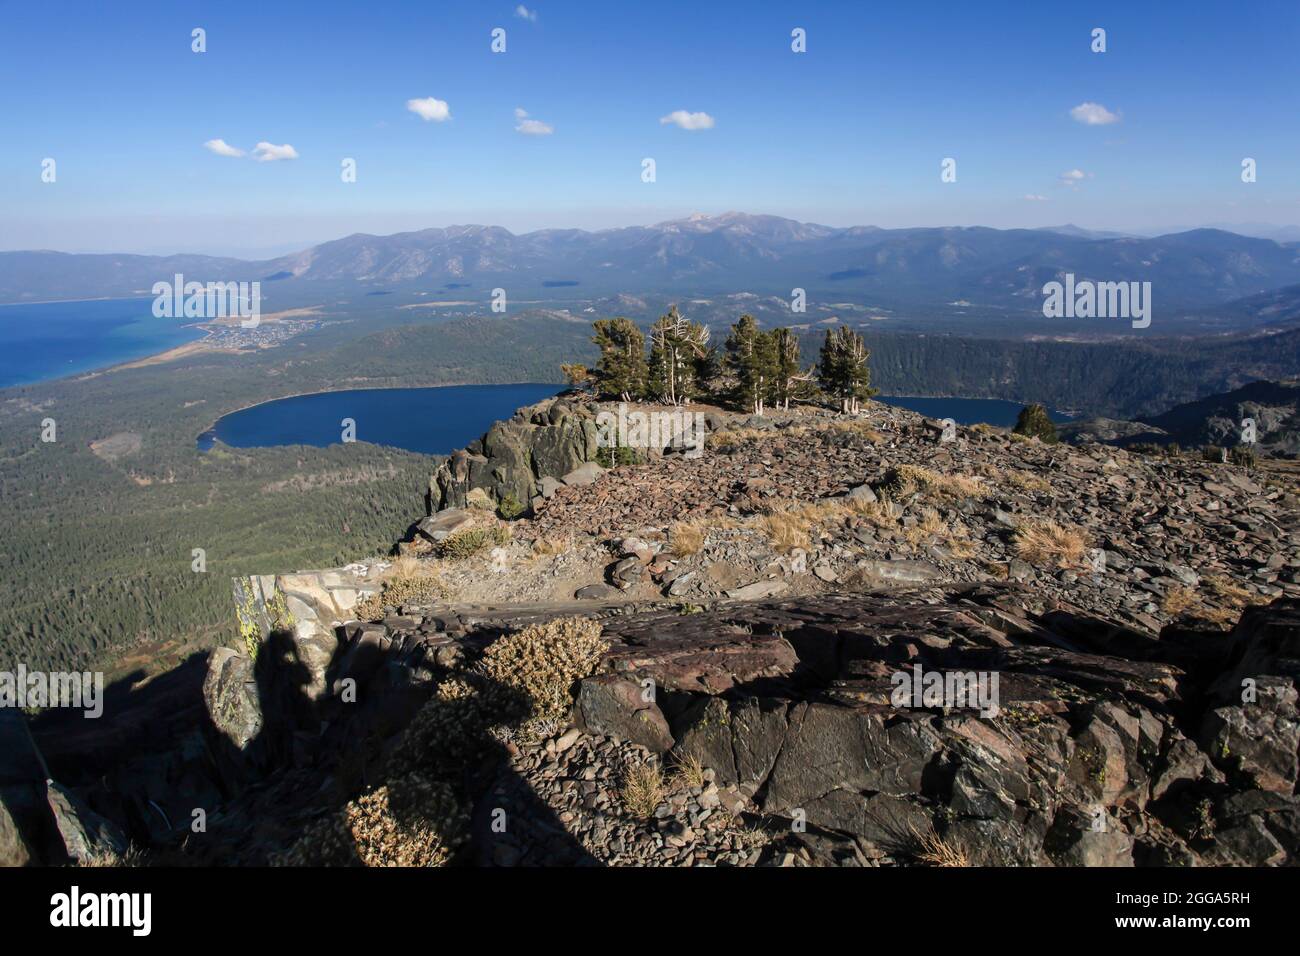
(967, 411)
(435, 421)
(51, 339)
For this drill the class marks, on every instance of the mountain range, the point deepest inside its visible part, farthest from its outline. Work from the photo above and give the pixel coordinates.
(939, 268)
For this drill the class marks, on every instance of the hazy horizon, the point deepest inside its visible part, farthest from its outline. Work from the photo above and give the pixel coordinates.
(238, 149)
(1279, 233)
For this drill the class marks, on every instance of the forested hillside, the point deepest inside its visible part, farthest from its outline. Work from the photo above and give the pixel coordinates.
(1111, 379)
(98, 545)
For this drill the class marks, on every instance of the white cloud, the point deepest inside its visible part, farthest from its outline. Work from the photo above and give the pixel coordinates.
(531, 127)
(1072, 177)
(1094, 114)
(430, 109)
(265, 152)
(222, 148)
(523, 13)
(1034, 197)
(688, 120)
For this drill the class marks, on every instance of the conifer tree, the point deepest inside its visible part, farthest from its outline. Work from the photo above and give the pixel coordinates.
(752, 362)
(676, 346)
(792, 381)
(709, 375)
(842, 371)
(621, 371)
(1034, 422)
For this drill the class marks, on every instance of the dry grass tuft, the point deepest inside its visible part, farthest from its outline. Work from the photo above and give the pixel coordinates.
(642, 789)
(735, 437)
(909, 479)
(1048, 544)
(882, 512)
(1024, 481)
(105, 858)
(688, 771)
(1177, 600)
(789, 524)
(465, 544)
(546, 547)
(854, 426)
(1233, 597)
(687, 537)
(1226, 589)
(787, 527)
(934, 850)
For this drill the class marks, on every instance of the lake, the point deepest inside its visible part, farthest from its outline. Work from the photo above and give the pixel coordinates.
(437, 421)
(47, 340)
(434, 421)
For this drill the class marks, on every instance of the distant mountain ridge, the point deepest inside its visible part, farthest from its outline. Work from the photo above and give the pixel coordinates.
(897, 268)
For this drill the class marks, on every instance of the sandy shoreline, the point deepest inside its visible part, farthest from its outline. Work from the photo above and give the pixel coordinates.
(201, 346)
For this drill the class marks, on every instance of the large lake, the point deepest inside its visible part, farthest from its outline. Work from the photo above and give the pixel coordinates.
(51, 339)
(437, 421)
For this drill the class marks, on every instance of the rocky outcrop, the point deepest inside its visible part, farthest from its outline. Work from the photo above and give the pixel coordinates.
(1104, 745)
(43, 821)
(523, 461)
(1093, 757)
(545, 441)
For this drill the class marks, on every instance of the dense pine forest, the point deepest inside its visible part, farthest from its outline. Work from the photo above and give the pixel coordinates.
(98, 550)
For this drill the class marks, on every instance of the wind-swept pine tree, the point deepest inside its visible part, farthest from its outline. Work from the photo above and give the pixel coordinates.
(676, 346)
(752, 362)
(621, 371)
(843, 372)
(792, 381)
(576, 375)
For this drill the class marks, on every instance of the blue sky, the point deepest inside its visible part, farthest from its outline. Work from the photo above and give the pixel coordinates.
(851, 132)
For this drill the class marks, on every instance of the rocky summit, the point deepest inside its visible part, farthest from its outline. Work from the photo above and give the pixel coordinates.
(818, 640)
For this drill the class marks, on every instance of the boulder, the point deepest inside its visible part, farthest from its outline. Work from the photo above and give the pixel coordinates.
(862, 493)
(758, 590)
(1081, 839)
(86, 835)
(611, 705)
(899, 572)
(705, 658)
(587, 474)
(549, 486)
(597, 592)
(441, 526)
(626, 573)
(231, 697)
(1259, 741)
